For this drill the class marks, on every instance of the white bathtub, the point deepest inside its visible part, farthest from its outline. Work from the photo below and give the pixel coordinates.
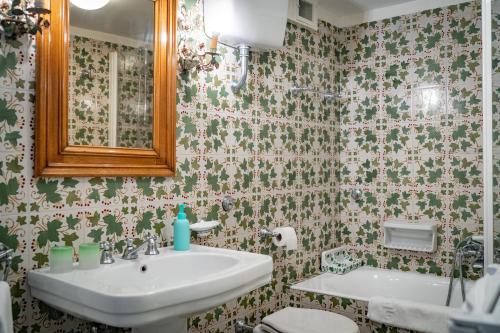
(366, 282)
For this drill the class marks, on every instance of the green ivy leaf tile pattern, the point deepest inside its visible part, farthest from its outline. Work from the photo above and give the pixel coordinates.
(410, 132)
(407, 130)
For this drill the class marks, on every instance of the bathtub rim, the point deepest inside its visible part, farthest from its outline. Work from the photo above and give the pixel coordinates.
(300, 288)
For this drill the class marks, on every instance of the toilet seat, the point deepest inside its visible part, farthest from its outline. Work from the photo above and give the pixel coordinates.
(294, 320)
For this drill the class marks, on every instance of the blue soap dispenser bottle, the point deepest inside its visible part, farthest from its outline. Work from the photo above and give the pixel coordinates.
(182, 234)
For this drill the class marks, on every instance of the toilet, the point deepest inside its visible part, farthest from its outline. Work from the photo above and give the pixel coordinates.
(295, 320)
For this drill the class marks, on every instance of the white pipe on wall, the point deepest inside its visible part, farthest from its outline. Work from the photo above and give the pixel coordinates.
(487, 133)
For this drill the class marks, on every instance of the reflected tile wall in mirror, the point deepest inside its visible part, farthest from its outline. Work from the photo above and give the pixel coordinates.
(111, 75)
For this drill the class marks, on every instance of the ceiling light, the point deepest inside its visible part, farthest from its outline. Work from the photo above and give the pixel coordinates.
(90, 4)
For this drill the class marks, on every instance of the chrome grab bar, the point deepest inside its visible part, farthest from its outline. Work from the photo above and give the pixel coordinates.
(295, 90)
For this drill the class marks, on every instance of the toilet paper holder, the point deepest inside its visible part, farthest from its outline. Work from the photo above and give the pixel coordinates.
(265, 233)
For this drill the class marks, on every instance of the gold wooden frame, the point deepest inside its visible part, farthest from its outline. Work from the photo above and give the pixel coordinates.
(53, 154)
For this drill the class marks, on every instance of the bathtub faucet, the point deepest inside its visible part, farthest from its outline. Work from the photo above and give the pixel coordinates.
(6, 259)
(496, 249)
(469, 248)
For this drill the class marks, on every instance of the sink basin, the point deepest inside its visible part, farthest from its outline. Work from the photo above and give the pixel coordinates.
(154, 293)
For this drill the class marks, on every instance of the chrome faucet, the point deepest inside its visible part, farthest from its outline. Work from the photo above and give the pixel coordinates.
(107, 253)
(6, 258)
(469, 248)
(496, 249)
(131, 252)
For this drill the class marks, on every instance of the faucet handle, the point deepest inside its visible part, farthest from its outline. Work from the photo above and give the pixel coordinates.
(152, 248)
(129, 242)
(107, 252)
(106, 246)
(130, 252)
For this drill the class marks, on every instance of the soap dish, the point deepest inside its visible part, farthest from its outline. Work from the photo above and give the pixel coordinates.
(338, 261)
(203, 228)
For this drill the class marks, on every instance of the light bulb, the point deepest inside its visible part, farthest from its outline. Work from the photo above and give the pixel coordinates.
(90, 4)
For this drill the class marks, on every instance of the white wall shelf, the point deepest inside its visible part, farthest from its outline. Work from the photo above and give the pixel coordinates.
(414, 236)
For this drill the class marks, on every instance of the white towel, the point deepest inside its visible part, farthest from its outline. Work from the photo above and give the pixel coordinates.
(6, 325)
(410, 315)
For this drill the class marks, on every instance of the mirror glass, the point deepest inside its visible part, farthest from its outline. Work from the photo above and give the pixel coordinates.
(110, 86)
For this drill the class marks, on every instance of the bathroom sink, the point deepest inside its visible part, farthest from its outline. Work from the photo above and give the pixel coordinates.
(154, 293)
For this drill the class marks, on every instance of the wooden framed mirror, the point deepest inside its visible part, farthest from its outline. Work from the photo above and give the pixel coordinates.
(106, 89)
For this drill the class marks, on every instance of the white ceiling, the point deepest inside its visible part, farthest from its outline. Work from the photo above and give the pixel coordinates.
(343, 13)
(133, 19)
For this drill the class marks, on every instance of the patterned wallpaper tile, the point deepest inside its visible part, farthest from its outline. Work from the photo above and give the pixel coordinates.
(410, 131)
(406, 131)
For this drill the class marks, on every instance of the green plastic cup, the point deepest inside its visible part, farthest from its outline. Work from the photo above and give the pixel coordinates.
(61, 259)
(89, 256)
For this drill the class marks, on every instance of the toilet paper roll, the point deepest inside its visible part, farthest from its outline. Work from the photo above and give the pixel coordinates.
(285, 236)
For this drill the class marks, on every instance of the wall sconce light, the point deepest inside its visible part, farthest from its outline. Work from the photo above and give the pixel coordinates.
(200, 59)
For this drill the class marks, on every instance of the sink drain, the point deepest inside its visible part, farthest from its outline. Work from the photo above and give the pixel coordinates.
(144, 268)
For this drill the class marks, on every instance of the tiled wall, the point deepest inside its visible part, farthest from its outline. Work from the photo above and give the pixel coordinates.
(286, 160)
(271, 151)
(410, 132)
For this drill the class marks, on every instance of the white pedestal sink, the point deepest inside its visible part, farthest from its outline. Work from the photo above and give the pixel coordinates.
(154, 293)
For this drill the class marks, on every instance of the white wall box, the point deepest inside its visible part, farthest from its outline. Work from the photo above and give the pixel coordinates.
(304, 13)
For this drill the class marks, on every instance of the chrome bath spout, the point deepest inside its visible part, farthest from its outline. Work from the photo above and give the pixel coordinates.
(469, 247)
